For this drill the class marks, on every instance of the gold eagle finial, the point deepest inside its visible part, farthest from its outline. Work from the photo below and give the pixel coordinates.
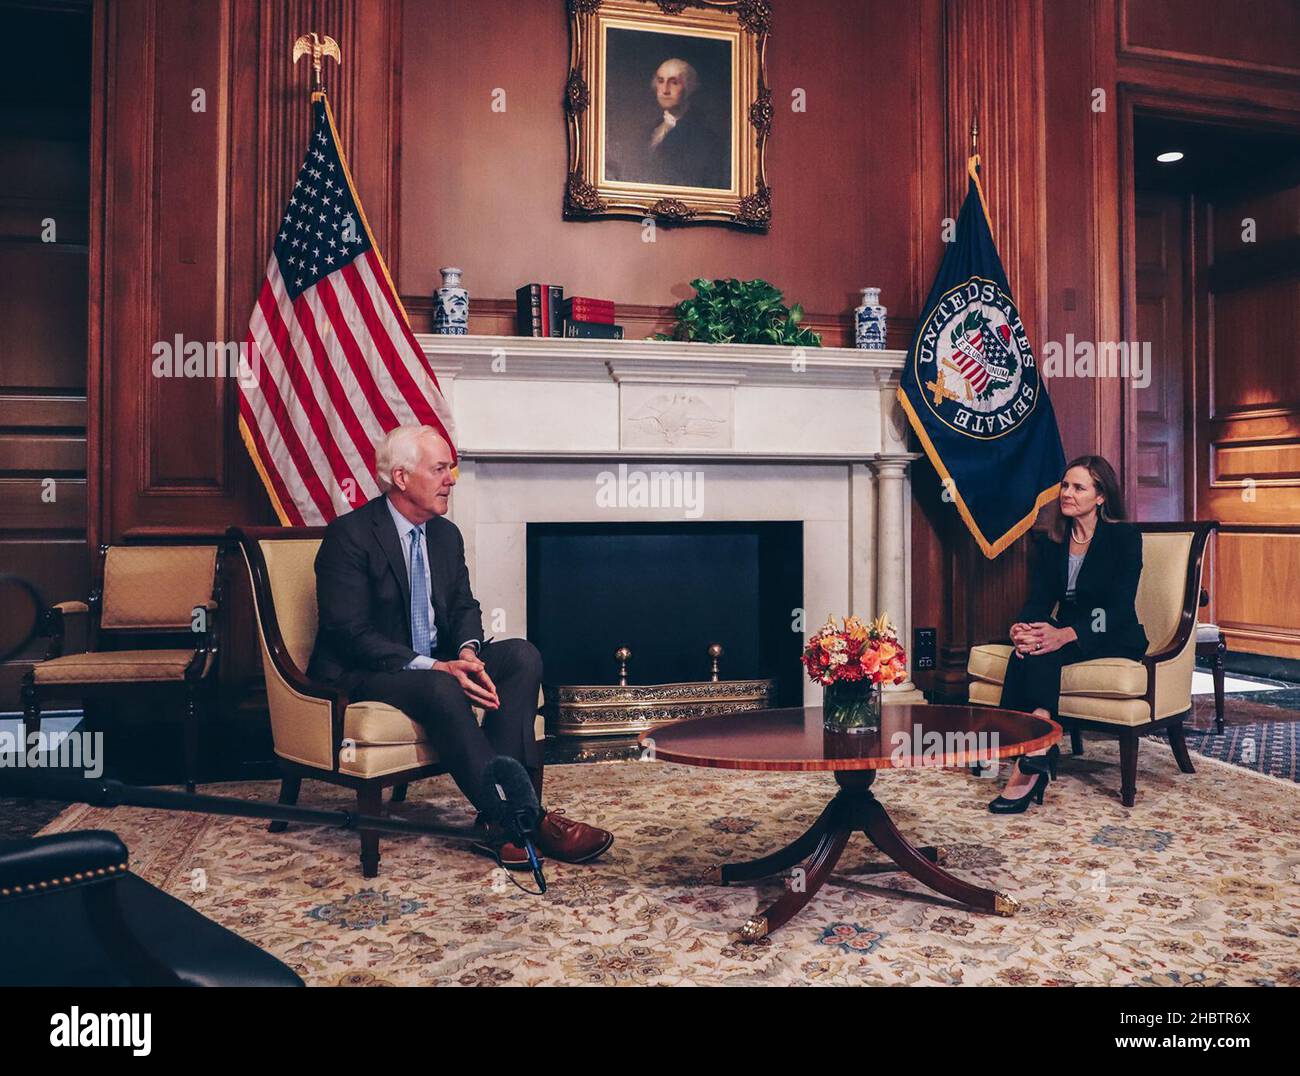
(318, 47)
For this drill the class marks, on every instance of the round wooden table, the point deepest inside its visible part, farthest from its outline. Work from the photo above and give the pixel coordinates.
(793, 739)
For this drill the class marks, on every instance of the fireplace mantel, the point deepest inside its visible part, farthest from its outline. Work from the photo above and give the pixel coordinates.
(529, 358)
(811, 434)
(527, 396)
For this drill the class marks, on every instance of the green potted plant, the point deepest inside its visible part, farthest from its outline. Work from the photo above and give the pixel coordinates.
(739, 312)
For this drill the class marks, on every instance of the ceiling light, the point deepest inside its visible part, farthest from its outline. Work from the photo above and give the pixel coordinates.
(1169, 157)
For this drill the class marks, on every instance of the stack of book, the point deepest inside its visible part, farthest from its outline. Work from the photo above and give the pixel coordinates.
(591, 319)
(538, 310)
(542, 310)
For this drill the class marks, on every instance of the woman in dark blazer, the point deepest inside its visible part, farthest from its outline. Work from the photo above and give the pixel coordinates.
(1087, 570)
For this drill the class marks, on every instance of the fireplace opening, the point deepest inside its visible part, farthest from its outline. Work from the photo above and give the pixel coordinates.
(667, 591)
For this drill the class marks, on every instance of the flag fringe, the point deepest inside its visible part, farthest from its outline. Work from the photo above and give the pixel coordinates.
(247, 437)
(973, 170)
(997, 546)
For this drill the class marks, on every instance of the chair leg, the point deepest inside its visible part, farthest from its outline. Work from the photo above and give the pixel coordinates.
(1076, 742)
(31, 706)
(1179, 745)
(191, 735)
(289, 786)
(399, 794)
(1217, 673)
(1128, 767)
(370, 800)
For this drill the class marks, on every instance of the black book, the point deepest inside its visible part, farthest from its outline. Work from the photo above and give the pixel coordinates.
(528, 310)
(555, 309)
(592, 330)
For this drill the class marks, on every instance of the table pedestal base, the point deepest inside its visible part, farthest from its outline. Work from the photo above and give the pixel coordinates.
(854, 809)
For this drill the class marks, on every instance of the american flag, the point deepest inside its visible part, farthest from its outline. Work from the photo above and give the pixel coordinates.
(332, 362)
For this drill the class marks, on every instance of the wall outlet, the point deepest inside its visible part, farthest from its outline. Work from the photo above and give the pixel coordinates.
(923, 648)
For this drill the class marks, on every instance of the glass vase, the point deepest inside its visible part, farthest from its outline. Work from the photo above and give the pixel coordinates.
(851, 706)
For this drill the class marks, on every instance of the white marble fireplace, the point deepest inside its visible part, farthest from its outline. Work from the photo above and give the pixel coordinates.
(724, 432)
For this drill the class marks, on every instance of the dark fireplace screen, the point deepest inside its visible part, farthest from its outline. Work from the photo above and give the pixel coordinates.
(666, 591)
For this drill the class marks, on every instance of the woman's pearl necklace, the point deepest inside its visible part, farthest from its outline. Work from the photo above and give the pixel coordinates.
(1081, 541)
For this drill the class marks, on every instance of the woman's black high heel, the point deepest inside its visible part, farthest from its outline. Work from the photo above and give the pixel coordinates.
(1020, 804)
(1043, 767)
(1041, 763)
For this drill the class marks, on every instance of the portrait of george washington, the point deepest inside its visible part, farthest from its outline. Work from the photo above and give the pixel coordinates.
(668, 109)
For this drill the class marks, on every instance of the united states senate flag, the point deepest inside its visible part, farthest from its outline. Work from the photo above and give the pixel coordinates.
(973, 393)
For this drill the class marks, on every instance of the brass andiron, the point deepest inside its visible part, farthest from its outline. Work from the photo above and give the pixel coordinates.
(715, 652)
(621, 655)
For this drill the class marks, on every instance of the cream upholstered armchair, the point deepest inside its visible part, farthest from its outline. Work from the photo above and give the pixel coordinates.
(318, 733)
(144, 593)
(1127, 698)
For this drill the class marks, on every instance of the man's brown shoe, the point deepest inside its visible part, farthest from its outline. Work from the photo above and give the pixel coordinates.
(497, 847)
(511, 855)
(569, 841)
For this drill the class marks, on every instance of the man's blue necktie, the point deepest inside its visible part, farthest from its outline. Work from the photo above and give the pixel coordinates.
(423, 634)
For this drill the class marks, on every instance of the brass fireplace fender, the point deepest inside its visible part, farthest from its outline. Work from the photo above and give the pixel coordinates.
(629, 709)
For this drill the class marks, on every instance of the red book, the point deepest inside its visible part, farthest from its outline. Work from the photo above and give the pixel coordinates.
(582, 308)
(552, 301)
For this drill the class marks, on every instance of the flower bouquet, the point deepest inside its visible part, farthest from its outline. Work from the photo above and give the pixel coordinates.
(851, 663)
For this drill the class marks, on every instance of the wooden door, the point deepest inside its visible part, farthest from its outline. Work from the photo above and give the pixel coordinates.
(1161, 251)
(1249, 412)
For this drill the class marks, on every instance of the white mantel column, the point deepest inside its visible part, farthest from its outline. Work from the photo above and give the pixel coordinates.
(893, 544)
(862, 541)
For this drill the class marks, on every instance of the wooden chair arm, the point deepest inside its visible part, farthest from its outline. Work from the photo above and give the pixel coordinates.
(207, 638)
(52, 626)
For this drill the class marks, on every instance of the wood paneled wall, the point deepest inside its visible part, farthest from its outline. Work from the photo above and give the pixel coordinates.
(1084, 65)
(1248, 409)
(995, 72)
(1160, 260)
(1239, 67)
(191, 198)
(184, 202)
(44, 253)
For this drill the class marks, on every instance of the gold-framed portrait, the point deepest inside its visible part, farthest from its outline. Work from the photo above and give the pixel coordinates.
(669, 111)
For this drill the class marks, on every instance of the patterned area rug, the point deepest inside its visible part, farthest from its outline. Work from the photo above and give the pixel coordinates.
(1265, 747)
(1196, 885)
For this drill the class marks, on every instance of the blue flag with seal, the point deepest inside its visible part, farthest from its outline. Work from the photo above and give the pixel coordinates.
(972, 391)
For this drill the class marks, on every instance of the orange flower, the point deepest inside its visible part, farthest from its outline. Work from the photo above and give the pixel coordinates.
(856, 651)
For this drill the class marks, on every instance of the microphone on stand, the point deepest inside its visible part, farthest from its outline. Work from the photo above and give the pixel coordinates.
(514, 807)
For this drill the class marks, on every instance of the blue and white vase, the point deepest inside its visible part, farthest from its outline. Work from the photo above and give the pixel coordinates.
(451, 305)
(869, 322)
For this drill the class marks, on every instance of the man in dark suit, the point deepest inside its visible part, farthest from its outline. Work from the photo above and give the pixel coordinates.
(683, 149)
(399, 624)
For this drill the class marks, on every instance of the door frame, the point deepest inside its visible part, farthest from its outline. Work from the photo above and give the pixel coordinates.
(1133, 98)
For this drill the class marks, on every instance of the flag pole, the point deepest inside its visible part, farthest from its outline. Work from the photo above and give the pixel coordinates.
(316, 46)
(973, 165)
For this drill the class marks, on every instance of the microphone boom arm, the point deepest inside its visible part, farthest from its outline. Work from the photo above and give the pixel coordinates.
(109, 793)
